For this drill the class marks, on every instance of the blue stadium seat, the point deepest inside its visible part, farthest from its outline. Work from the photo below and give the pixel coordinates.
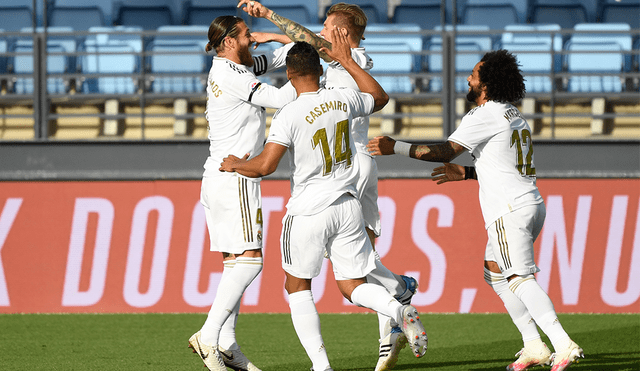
(408, 34)
(427, 15)
(470, 48)
(15, 18)
(192, 42)
(104, 7)
(23, 63)
(203, 12)
(520, 6)
(375, 10)
(496, 16)
(566, 13)
(80, 19)
(113, 53)
(143, 13)
(608, 61)
(625, 11)
(534, 53)
(303, 12)
(623, 38)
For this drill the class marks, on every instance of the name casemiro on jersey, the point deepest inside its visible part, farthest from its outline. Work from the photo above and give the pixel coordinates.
(324, 108)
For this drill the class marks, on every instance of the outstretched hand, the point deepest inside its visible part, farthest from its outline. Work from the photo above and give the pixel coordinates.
(230, 162)
(340, 50)
(448, 173)
(254, 8)
(380, 146)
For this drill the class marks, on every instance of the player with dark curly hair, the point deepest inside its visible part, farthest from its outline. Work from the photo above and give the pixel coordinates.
(499, 140)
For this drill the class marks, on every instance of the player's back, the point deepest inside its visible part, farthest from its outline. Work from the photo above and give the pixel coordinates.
(316, 129)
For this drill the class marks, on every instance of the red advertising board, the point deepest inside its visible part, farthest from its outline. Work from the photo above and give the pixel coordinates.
(143, 247)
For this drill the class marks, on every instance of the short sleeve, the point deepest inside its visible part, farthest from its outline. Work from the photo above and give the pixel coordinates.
(471, 133)
(271, 61)
(361, 104)
(280, 132)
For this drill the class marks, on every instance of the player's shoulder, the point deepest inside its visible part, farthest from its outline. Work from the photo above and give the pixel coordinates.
(223, 66)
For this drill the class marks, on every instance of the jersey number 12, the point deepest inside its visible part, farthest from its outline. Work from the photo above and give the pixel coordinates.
(523, 160)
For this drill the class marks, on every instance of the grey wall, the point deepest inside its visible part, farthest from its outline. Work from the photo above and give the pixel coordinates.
(36, 161)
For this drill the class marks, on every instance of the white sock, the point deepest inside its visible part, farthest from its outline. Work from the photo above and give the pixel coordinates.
(541, 308)
(227, 339)
(377, 298)
(386, 278)
(515, 307)
(306, 322)
(229, 293)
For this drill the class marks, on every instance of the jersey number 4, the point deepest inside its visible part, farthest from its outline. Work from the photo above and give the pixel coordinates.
(342, 151)
(524, 160)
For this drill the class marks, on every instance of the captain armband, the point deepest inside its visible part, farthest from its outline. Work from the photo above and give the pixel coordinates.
(470, 173)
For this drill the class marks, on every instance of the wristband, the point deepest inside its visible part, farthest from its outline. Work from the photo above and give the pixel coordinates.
(469, 172)
(402, 148)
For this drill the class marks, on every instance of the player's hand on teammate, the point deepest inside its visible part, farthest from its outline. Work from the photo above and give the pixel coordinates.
(230, 162)
(255, 9)
(448, 173)
(380, 146)
(267, 37)
(340, 49)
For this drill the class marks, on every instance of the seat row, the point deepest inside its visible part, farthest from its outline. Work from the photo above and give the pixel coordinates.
(108, 60)
(150, 15)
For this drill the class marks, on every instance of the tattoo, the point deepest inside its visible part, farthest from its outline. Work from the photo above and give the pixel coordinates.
(297, 32)
(443, 152)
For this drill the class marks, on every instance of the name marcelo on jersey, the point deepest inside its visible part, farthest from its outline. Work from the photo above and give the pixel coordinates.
(324, 108)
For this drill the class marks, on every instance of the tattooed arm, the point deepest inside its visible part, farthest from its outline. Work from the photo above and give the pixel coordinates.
(443, 152)
(293, 30)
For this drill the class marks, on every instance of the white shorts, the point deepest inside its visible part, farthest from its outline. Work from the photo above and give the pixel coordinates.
(338, 228)
(367, 187)
(511, 239)
(233, 209)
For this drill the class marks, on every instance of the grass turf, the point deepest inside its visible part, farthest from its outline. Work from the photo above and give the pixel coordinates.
(159, 342)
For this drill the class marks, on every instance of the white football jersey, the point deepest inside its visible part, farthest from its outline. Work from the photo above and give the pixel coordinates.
(499, 139)
(336, 76)
(235, 112)
(316, 130)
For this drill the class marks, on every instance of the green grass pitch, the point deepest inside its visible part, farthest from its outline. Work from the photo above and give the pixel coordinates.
(159, 342)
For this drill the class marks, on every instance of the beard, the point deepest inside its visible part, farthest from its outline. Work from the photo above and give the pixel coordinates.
(473, 95)
(245, 57)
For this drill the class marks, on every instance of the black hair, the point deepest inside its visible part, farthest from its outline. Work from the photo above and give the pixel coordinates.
(303, 59)
(502, 77)
(221, 27)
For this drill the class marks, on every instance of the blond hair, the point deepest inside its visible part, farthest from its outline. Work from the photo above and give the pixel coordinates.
(351, 17)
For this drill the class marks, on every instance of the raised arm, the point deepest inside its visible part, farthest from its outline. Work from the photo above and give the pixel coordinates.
(341, 52)
(293, 30)
(262, 165)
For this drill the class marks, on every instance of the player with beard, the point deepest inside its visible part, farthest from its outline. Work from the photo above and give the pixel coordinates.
(499, 140)
(235, 112)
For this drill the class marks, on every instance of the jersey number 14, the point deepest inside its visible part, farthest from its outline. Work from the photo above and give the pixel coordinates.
(342, 150)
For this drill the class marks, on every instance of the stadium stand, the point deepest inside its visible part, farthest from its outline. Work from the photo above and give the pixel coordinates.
(566, 13)
(375, 10)
(203, 12)
(22, 63)
(77, 14)
(115, 53)
(534, 52)
(612, 60)
(3, 58)
(469, 50)
(172, 40)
